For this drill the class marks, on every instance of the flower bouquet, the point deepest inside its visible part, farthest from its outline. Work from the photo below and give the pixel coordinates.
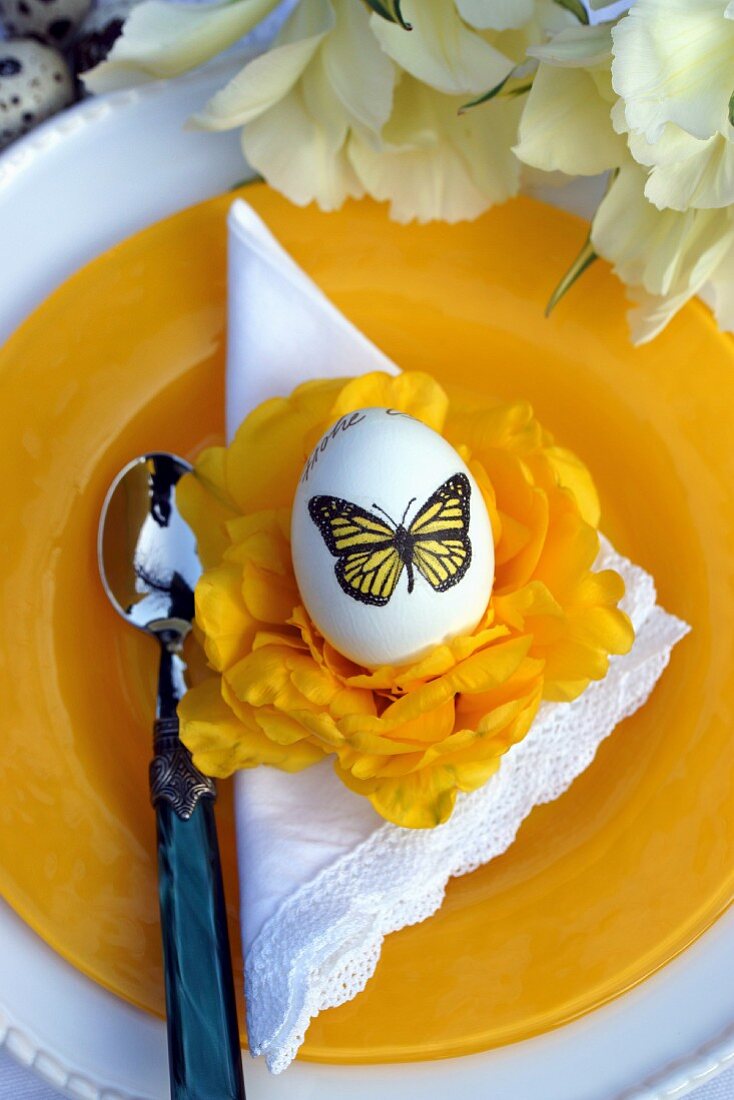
(442, 107)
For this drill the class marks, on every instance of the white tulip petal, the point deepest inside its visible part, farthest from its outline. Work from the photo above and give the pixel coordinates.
(261, 84)
(673, 63)
(323, 107)
(360, 73)
(566, 126)
(497, 15)
(618, 117)
(437, 164)
(704, 178)
(602, 77)
(577, 47)
(165, 39)
(652, 313)
(665, 252)
(685, 170)
(294, 154)
(673, 146)
(548, 18)
(441, 50)
(664, 257)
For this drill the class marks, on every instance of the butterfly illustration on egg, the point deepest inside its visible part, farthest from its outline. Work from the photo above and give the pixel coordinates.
(373, 552)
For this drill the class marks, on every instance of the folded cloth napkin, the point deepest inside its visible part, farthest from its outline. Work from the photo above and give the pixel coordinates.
(324, 879)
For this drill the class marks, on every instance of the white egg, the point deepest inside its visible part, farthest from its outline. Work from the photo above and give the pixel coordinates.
(391, 541)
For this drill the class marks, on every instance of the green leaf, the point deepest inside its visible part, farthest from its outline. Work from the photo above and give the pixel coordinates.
(576, 8)
(486, 97)
(498, 89)
(731, 109)
(390, 10)
(584, 260)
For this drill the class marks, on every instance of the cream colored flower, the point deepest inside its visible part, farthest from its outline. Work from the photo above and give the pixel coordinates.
(566, 125)
(434, 162)
(674, 71)
(324, 79)
(164, 39)
(673, 63)
(346, 101)
(496, 15)
(468, 47)
(665, 256)
(442, 50)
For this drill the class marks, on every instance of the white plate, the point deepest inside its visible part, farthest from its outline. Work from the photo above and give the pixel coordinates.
(67, 192)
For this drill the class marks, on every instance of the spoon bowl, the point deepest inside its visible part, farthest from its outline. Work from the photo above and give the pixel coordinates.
(147, 552)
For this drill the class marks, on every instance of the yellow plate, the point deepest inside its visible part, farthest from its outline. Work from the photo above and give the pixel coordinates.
(603, 886)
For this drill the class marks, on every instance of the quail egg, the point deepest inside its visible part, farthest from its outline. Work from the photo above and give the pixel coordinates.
(35, 83)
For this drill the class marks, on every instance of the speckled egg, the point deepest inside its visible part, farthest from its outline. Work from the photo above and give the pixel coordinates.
(35, 83)
(98, 33)
(51, 21)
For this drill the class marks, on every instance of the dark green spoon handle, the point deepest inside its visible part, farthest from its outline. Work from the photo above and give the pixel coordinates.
(203, 1039)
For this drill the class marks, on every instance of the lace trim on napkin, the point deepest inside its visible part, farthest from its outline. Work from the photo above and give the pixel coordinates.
(322, 946)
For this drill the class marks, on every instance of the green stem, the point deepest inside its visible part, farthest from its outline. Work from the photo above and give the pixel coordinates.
(584, 260)
(511, 93)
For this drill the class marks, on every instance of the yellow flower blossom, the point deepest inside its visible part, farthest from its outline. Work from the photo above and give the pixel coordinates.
(408, 738)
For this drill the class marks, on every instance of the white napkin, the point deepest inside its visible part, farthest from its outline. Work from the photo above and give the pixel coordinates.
(323, 879)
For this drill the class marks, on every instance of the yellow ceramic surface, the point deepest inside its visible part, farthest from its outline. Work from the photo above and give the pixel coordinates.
(603, 886)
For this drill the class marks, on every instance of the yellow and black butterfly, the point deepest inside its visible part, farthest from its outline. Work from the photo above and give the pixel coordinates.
(372, 553)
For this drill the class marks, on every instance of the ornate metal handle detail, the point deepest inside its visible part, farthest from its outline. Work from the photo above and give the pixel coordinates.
(174, 778)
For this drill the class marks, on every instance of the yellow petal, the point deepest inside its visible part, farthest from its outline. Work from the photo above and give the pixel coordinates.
(509, 426)
(271, 441)
(261, 678)
(267, 596)
(411, 392)
(205, 507)
(279, 727)
(262, 538)
(420, 800)
(222, 615)
(573, 475)
(221, 744)
(603, 628)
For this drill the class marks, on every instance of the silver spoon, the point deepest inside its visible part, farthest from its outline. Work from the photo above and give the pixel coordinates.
(149, 567)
